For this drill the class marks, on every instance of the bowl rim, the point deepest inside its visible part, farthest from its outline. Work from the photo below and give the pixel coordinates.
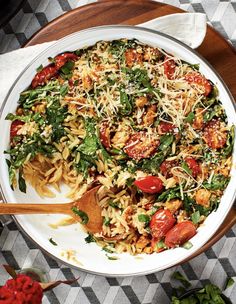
(41, 54)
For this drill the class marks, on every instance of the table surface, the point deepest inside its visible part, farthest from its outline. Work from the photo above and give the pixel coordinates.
(216, 264)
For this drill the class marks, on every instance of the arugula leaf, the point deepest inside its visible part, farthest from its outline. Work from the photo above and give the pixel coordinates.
(169, 194)
(165, 141)
(90, 238)
(186, 168)
(21, 182)
(67, 67)
(89, 145)
(178, 276)
(188, 203)
(112, 258)
(114, 204)
(64, 90)
(190, 118)
(55, 116)
(83, 215)
(144, 218)
(229, 143)
(39, 69)
(152, 165)
(218, 182)
(126, 103)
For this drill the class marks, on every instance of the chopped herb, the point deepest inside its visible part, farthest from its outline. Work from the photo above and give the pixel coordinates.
(106, 221)
(90, 238)
(187, 245)
(161, 245)
(178, 276)
(114, 204)
(195, 217)
(107, 249)
(52, 242)
(144, 218)
(84, 217)
(112, 258)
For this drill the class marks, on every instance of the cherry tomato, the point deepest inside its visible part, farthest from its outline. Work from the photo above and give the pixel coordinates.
(193, 166)
(41, 77)
(198, 79)
(61, 59)
(213, 136)
(166, 167)
(15, 127)
(141, 145)
(161, 222)
(166, 127)
(105, 134)
(169, 67)
(180, 234)
(131, 57)
(149, 184)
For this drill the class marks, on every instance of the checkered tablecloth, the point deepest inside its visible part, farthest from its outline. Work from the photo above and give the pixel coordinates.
(215, 265)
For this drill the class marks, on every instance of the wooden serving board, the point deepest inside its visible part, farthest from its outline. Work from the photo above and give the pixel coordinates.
(214, 48)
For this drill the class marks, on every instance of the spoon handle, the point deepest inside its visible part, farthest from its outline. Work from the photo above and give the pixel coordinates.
(34, 208)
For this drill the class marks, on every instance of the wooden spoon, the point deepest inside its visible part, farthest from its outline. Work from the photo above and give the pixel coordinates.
(86, 206)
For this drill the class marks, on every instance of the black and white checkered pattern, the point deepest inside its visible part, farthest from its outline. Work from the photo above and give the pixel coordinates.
(215, 265)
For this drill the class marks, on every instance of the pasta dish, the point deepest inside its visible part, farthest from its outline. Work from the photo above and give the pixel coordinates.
(144, 124)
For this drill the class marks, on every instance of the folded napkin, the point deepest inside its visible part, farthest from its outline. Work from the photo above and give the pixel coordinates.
(189, 28)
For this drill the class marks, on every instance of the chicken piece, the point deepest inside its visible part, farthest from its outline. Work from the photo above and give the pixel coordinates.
(198, 122)
(141, 101)
(132, 57)
(174, 205)
(142, 242)
(87, 83)
(203, 197)
(149, 117)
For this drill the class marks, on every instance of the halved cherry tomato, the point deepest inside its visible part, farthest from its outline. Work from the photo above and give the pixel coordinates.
(169, 67)
(61, 59)
(213, 136)
(141, 145)
(149, 184)
(105, 134)
(198, 79)
(193, 166)
(180, 234)
(166, 127)
(15, 127)
(162, 221)
(166, 167)
(41, 77)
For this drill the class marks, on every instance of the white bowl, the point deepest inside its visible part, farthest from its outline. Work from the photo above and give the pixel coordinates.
(90, 257)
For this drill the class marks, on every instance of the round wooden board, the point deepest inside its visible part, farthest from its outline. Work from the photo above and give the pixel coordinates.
(214, 47)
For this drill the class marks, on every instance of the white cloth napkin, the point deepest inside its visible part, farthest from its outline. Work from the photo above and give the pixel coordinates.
(189, 28)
